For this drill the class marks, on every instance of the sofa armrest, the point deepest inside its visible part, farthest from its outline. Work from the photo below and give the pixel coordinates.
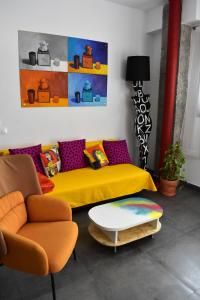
(24, 255)
(42, 208)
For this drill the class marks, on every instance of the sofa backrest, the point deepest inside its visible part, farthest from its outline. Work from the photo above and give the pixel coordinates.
(47, 147)
(12, 212)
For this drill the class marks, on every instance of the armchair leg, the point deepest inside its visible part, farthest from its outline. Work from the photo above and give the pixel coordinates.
(74, 254)
(53, 286)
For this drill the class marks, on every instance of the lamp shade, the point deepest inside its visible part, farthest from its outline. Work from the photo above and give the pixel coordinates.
(138, 68)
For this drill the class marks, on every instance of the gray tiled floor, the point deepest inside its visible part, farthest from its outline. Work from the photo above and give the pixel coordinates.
(164, 268)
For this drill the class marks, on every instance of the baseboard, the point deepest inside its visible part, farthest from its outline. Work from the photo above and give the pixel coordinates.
(155, 176)
(153, 173)
(195, 187)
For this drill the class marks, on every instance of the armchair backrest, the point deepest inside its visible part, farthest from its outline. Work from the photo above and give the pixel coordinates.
(18, 173)
(12, 212)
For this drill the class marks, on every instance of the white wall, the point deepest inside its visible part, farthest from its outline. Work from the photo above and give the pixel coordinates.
(191, 137)
(191, 16)
(192, 172)
(154, 19)
(198, 11)
(154, 51)
(191, 12)
(124, 30)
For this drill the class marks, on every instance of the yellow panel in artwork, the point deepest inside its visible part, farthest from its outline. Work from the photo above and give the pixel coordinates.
(61, 102)
(102, 71)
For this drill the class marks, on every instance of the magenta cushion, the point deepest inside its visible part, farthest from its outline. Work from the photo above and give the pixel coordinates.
(117, 152)
(72, 155)
(34, 152)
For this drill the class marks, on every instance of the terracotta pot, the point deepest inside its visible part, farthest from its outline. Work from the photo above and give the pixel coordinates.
(168, 187)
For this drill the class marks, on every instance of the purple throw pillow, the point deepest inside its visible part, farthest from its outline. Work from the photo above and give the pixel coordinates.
(34, 152)
(72, 155)
(117, 152)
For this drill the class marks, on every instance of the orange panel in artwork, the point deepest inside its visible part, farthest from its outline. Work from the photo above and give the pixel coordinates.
(43, 88)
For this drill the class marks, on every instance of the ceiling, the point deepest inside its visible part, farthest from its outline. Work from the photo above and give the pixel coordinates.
(140, 4)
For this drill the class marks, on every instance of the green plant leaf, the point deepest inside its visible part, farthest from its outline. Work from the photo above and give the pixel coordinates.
(173, 162)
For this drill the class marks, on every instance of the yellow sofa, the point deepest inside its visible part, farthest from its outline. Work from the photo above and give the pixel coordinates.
(84, 186)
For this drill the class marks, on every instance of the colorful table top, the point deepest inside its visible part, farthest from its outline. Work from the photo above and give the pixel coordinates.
(126, 213)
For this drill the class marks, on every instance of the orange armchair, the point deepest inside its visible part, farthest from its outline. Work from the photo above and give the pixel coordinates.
(37, 234)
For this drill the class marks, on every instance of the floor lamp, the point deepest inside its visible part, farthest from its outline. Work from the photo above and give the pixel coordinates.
(137, 71)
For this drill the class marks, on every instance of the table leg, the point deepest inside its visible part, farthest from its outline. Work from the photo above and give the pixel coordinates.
(113, 236)
(115, 241)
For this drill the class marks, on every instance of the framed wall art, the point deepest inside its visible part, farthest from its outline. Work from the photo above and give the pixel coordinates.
(62, 71)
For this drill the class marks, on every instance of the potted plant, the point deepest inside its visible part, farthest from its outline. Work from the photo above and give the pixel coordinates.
(171, 172)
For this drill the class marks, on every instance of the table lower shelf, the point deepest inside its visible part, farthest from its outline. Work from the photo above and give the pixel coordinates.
(124, 236)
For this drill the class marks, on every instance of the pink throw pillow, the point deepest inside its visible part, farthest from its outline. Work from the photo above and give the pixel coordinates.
(72, 155)
(117, 152)
(34, 152)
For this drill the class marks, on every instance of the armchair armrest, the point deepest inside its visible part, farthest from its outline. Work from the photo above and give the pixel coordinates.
(3, 248)
(42, 208)
(24, 255)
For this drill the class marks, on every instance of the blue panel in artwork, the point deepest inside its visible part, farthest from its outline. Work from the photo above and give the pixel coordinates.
(87, 89)
(76, 46)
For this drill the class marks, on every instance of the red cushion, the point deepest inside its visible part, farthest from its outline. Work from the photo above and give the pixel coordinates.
(46, 184)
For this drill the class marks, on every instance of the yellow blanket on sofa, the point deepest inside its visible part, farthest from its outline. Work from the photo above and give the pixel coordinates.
(84, 186)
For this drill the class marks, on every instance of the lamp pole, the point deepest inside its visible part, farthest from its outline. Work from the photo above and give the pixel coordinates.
(138, 70)
(143, 122)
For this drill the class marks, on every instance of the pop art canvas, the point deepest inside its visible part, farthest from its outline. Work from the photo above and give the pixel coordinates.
(41, 51)
(87, 90)
(86, 56)
(62, 71)
(43, 88)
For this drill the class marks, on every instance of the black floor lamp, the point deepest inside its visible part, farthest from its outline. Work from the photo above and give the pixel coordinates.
(137, 71)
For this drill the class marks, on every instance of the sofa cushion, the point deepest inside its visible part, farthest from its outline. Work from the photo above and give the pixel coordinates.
(117, 152)
(84, 186)
(71, 154)
(51, 161)
(45, 183)
(96, 156)
(12, 212)
(34, 152)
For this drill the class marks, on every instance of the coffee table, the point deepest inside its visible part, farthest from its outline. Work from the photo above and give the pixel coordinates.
(124, 221)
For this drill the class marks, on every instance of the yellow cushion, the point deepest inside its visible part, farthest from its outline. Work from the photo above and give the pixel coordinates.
(83, 186)
(96, 156)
